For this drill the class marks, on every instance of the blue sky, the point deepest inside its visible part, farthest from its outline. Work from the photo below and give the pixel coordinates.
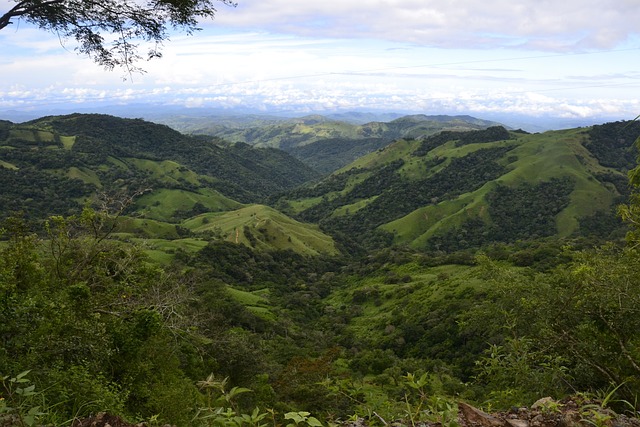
(534, 58)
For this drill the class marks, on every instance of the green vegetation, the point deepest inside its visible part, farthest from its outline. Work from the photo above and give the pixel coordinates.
(327, 145)
(56, 165)
(456, 190)
(260, 226)
(178, 304)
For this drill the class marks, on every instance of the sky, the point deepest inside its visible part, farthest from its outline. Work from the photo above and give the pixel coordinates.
(569, 59)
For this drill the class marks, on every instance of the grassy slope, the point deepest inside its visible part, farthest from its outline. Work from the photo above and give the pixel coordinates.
(162, 204)
(534, 158)
(8, 165)
(540, 158)
(167, 171)
(255, 301)
(270, 228)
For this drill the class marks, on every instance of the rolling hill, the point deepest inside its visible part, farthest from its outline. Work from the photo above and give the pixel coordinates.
(445, 191)
(55, 165)
(456, 190)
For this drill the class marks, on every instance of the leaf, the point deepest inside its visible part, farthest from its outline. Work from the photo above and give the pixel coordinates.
(236, 391)
(22, 374)
(27, 391)
(314, 422)
(297, 417)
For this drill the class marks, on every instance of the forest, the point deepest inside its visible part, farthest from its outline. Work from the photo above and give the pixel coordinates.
(497, 314)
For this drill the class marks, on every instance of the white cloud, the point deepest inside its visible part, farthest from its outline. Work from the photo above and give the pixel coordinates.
(543, 24)
(525, 56)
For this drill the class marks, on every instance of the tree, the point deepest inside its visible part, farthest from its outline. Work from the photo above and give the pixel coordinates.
(109, 31)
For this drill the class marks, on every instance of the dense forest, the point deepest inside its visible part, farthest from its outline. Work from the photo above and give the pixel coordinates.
(497, 311)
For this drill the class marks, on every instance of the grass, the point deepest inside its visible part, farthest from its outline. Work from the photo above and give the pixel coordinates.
(256, 302)
(142, 227)
(400, 149)
(300, 205)
(270, 230)
(45, 136)
(67, 142)
(32, 135)
(163, 203)
(352, 208)
(163, 251)
(23, 134)
(417, 227)
(117, 163)
(166, 171)
(535, 158)
(8, 165)
(85, 175)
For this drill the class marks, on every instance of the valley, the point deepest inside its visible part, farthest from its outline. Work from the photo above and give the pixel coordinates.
(260, 267)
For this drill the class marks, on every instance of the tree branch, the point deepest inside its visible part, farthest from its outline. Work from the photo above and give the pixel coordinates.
(23, 8)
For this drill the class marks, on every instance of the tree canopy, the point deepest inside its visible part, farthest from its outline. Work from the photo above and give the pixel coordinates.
(110, 31)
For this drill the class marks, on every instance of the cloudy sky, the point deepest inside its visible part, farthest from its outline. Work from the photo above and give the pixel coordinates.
(568, 59)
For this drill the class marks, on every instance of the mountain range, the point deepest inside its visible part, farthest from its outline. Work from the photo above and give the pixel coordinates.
(325, 143)
(411, 183)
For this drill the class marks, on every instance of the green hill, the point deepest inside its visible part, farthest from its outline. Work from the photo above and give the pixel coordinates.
(445, 191)
(238, 171)
(455, 190)
(55, 165)
(262, 227)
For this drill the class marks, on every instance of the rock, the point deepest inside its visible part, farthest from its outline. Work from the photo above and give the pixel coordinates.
(537, 421)
(517, 423)
(542, 403)
(570, 418)
(475, 417)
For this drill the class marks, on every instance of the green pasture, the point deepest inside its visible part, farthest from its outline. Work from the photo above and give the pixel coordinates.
(8, 165)
(166, 171)
(162, 204)
(268, 228)
(85, 175)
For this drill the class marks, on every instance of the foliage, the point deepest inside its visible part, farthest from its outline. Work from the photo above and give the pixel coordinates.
(491, 134)
(328, 155)
(302, 418)
(613, 144)
(114, 155)
(221, 408)
(577, 323)
(421, 407)
(393, 335)
(81, 312)
(17, 400)
(517, 372)
(92, 23)
(396, 197)
(523, 212)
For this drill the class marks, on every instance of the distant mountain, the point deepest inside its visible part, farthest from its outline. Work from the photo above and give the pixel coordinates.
(361, 118)
(54, 165)
(455, 190)
(296, 132)
(210, 124)
(327, 144)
